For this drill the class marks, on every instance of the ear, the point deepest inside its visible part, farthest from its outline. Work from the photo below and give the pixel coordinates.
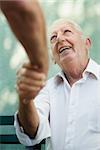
(88, 43)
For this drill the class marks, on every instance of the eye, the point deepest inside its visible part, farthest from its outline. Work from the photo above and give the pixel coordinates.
(53, 38)
(67, 32)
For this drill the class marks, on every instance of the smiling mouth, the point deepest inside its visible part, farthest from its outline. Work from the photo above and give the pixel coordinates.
(64, 48)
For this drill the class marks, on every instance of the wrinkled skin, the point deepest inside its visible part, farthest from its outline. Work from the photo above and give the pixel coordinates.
(70, 50)
(29, 82)
(26, 20)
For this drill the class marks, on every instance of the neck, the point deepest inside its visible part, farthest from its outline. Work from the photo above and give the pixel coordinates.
(72, 78)
(75, 74)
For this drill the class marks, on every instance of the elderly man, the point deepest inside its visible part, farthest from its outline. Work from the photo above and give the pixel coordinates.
(65, 110)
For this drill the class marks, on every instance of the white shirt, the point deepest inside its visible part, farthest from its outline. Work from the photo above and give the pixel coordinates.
(74, 113)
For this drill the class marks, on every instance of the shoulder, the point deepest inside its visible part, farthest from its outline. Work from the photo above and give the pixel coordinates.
(51, 82)
(54, 81)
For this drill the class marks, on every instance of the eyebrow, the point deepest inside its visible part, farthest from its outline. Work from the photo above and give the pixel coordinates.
(55, 32)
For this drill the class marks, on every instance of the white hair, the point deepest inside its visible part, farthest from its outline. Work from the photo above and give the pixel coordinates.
(60, 21)
(64, 20)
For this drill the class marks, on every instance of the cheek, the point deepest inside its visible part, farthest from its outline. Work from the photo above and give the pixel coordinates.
(54, 50)
(56, 57)
(78, 45)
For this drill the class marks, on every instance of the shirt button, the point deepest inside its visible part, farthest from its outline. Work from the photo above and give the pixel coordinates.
(70, 121)
(69, 142)
(73, 102)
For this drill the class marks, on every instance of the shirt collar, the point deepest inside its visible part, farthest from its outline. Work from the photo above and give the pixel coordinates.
(92, 68)
(59, 77)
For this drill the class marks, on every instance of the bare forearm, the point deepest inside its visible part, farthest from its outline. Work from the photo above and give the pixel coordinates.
(27, 22)
(28, 118)
(29, 83)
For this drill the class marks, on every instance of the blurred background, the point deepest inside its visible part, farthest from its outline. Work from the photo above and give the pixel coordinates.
(84, 12)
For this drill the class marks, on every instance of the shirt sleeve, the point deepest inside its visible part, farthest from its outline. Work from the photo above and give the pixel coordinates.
(43, 106)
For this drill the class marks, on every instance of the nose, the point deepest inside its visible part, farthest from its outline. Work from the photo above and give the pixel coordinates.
(60, 37)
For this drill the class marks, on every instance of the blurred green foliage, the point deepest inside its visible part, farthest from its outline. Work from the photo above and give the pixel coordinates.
(84, 12)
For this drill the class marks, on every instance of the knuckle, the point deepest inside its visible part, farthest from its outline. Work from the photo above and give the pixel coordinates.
(23, 71)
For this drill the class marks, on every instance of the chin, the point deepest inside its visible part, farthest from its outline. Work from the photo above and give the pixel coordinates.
(68, 59)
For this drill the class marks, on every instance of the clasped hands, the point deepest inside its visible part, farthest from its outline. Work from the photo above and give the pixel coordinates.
(29, 82)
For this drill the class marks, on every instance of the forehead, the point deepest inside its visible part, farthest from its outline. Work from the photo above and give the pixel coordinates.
(60, 26)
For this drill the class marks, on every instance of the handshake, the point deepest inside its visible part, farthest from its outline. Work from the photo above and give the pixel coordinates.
(26, 20)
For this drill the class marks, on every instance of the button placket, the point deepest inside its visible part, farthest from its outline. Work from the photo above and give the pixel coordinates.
(70, 129)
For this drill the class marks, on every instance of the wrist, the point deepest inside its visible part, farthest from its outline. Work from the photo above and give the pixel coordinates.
(25, 101)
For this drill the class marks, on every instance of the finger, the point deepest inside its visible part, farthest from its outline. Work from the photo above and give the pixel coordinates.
(28, 65)
(30, 81)
(28, 88)
(25, 94)
(31, 74)
(21, 65)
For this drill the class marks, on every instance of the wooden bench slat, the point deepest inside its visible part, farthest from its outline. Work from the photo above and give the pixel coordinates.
(12, 138)
(6, 120)
(9, 139)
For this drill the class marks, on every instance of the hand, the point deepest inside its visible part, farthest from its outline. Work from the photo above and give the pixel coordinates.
(29, 82)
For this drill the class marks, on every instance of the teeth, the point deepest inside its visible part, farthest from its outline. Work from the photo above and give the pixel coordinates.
(64, 48)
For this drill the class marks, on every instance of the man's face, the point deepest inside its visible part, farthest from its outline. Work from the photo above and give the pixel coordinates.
(67, 44)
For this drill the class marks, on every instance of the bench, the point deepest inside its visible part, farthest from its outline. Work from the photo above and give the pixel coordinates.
(12, 138)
